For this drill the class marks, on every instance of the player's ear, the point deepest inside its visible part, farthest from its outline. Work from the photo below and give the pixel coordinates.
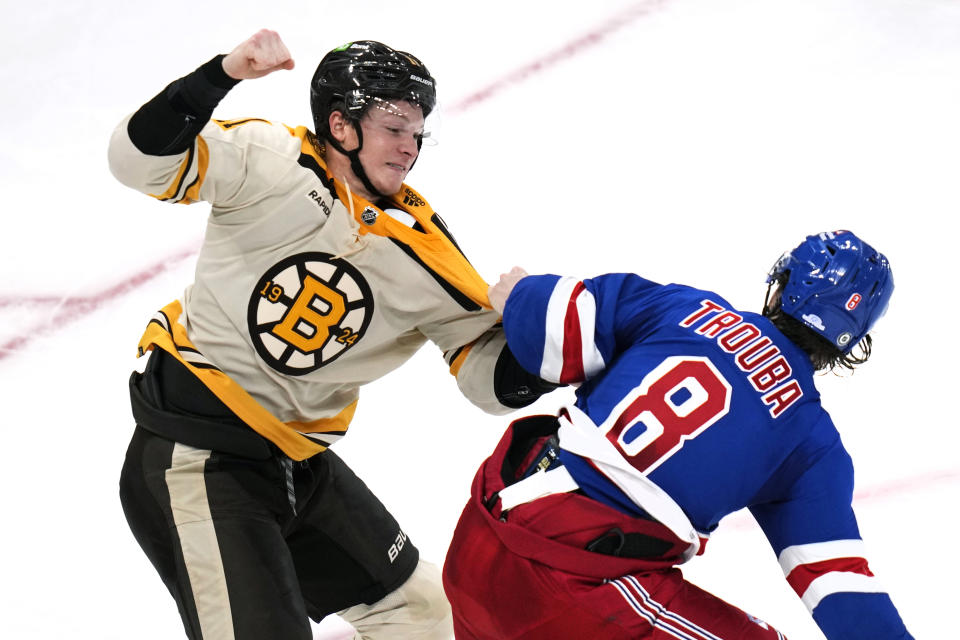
(340, 126)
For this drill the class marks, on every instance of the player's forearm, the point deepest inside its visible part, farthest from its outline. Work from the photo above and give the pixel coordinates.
(860, 616)
(491, 378)
(169, 123)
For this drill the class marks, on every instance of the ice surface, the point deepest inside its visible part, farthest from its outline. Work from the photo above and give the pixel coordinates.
(688, 140)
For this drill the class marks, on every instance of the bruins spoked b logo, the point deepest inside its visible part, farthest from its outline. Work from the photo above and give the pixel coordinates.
(307, 310)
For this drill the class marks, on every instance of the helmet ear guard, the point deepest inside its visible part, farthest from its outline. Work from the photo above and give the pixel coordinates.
(836, 285)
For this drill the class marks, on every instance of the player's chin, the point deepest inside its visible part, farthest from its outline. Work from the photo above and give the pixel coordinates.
(390, 184)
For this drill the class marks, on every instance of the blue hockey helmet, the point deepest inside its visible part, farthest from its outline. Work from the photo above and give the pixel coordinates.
(838, 286)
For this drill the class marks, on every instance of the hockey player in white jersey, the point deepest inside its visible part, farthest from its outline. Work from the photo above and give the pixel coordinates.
(320, 270)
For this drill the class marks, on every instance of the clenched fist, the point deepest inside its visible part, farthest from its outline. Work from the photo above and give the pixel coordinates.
(262, 53)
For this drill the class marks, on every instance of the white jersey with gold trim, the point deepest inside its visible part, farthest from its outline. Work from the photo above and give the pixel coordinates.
(300, 298)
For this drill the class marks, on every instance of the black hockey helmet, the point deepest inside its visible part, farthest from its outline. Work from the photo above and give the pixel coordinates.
(351, 77)
(359, 74)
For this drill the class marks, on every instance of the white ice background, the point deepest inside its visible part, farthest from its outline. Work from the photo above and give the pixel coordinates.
(686, 140)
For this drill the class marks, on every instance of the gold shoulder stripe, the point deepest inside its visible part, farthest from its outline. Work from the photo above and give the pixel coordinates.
(230, 124)
(177, 183)
(203, 161)
(308, 144)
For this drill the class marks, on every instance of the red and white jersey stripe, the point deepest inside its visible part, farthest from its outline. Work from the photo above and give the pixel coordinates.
(818, 570)
(570, 354)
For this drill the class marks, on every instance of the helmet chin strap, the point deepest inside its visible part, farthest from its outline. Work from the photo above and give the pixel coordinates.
(355, 163)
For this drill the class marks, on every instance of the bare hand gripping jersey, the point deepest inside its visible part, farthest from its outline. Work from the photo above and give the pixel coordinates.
(304, 291)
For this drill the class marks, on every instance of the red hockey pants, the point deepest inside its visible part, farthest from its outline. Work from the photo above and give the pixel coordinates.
(527, 575)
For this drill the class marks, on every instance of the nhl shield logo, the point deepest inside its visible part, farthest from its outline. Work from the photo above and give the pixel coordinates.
(308, 310)
(369, 216)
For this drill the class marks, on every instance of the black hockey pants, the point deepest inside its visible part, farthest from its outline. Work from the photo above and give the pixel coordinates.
(250, 548)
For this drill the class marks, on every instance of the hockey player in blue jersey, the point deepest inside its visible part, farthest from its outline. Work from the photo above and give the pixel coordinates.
(687, 410)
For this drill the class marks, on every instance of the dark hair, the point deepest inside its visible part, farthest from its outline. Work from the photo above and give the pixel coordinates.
(823, 354)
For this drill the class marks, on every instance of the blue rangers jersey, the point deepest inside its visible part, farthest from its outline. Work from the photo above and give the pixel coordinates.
(688, 410)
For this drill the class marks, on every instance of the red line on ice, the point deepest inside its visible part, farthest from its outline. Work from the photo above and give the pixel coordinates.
(906, 485)
(69, 309)
(569, 50)
(63, 311)
(876, 493)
